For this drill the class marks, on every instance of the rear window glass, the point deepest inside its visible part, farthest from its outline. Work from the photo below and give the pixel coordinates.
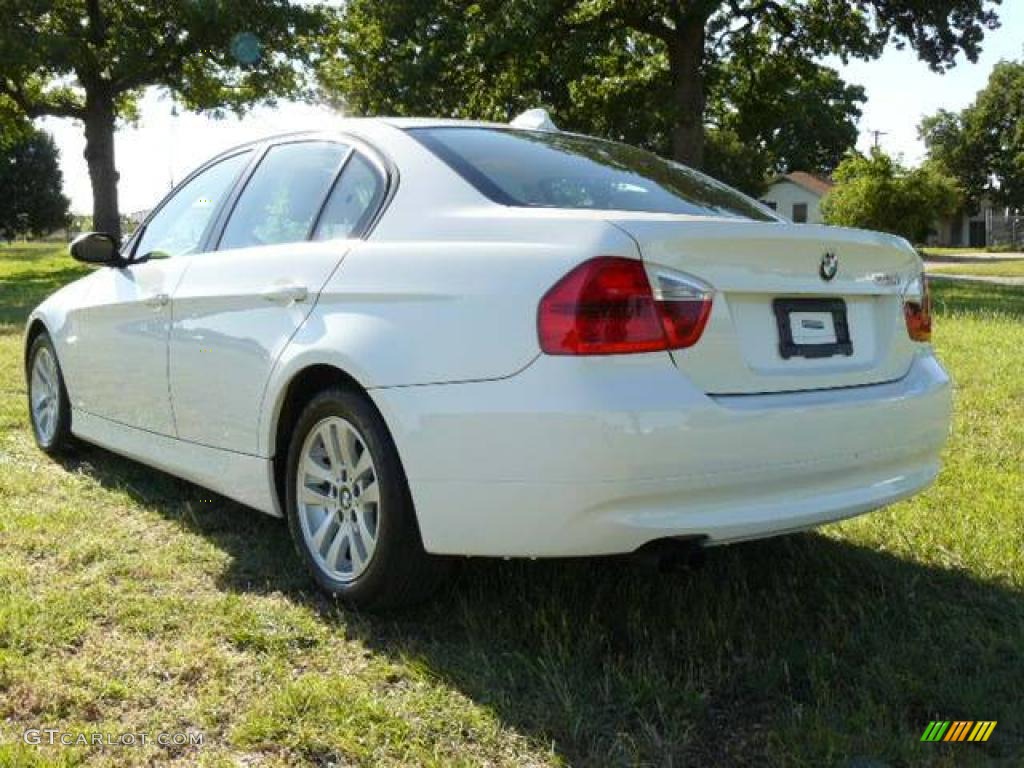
(543, 169)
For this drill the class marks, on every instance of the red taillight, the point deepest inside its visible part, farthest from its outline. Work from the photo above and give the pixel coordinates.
(606, 306)
(917, 309)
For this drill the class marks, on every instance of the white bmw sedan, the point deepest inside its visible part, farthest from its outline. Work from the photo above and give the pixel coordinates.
(417, 338)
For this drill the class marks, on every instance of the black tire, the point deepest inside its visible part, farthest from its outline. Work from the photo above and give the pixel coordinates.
(399, 572)
(59, 440)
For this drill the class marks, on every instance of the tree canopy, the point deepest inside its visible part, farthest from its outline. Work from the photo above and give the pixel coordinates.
(89, 59)
(724, 85)
(30, 179)
(877, 192)
(771, 113)
(983, 146)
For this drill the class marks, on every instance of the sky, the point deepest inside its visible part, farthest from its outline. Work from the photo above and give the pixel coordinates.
(167, 142)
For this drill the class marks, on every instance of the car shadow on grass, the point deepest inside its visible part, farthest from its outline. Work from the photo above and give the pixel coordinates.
(20, 294)
(805, 649)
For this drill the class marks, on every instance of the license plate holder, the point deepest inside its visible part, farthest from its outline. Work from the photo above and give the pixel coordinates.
(813, 314)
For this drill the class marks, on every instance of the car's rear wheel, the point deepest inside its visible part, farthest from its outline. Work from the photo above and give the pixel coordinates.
(349, 508)
(48, 405)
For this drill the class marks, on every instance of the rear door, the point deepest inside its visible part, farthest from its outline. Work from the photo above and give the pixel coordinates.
(236, 308)
(782, 319)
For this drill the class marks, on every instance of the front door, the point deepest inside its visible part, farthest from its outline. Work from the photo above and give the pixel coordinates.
(119, 348)
(118, 353)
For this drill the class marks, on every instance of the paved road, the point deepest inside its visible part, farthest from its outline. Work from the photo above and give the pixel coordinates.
(969, 258)
(1015, 281)
(935, 262)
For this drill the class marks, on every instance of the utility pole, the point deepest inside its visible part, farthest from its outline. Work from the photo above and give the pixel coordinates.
(171, 136)
(878, 135)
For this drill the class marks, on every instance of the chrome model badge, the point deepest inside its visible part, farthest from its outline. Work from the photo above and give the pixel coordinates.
(829, 266)
(885, 278)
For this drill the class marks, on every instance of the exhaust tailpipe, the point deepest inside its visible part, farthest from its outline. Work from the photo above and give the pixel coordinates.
(672, 555)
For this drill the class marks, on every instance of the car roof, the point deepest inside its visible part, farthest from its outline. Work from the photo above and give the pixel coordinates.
(365, 129)
(437, 122)
(353, 124)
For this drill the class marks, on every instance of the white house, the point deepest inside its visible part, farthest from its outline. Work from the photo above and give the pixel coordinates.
(797, 196)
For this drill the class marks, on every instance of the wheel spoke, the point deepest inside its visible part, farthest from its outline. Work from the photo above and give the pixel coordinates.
(317, 471)
(321, 532)
(368, 539)
(364, 463)
(346, 444)
(358, 555)
(38, 385)
(45, 373)
(314, 497)
(371, 493)
(329, 435)
(341, 538)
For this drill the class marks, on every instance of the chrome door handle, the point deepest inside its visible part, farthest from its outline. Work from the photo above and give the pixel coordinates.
(286, 294)
(158, 300)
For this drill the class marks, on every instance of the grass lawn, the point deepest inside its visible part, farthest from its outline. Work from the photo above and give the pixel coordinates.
(994, 268)
(132, 602)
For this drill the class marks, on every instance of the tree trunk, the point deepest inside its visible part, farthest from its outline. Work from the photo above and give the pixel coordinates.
(686, 65)
(99, 155)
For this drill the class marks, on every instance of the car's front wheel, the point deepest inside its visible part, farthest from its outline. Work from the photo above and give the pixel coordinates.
(349, 508)
(48, 406)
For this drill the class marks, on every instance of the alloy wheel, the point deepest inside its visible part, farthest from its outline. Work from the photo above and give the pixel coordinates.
(338, 498)
(45, 394)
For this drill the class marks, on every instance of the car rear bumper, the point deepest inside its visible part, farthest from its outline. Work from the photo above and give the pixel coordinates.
(589, 456)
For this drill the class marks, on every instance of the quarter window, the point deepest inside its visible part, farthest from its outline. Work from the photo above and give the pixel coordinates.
(284, 194)
(353, 201)
(178, 228)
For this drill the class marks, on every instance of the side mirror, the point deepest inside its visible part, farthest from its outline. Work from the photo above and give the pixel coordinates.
(96, 248)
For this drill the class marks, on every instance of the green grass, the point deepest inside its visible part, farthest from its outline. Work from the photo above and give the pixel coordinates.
(131, 601)
(29, 272)
(993, 268)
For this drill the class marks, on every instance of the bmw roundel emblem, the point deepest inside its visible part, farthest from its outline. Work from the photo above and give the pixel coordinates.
(829, 265)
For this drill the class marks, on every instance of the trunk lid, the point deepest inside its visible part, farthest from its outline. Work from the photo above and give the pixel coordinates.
(768, 275)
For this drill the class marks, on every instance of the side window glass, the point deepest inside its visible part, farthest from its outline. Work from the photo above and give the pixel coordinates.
(283, 195)
(353, 201)
(177, 228)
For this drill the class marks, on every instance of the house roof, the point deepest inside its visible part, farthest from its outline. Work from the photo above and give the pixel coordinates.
(814, 184)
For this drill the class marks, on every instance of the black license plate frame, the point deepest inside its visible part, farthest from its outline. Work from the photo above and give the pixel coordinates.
(788, 348)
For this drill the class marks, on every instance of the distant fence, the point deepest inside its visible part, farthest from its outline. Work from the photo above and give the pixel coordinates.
(1004, 229)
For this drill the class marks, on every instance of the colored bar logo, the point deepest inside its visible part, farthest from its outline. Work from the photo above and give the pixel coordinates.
(959, 730)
